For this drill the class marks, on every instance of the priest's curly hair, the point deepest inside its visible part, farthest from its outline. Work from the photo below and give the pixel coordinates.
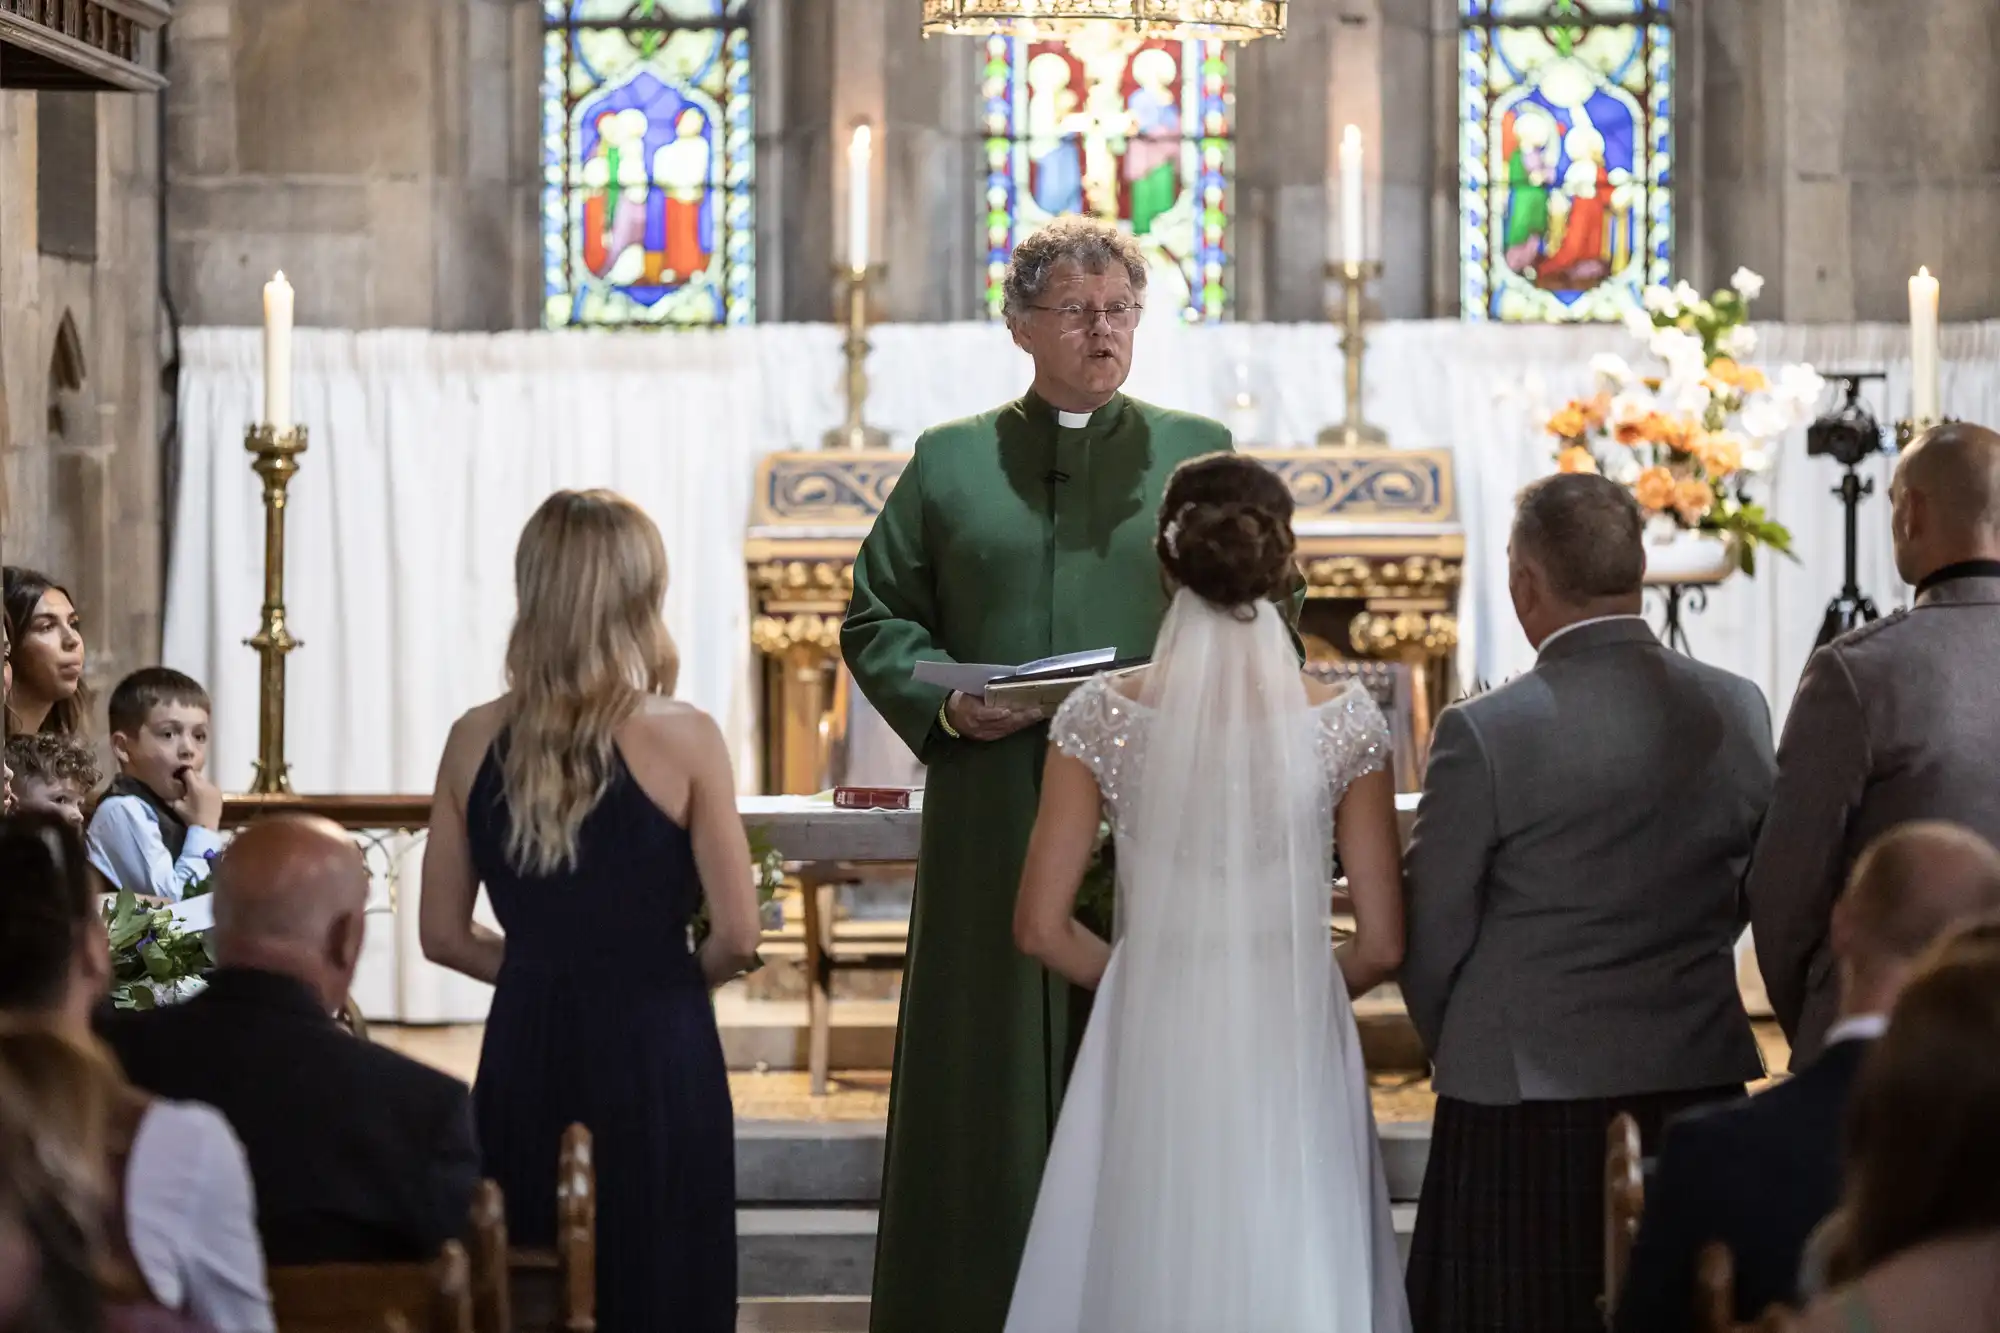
(1091, 245)
(1226, 531)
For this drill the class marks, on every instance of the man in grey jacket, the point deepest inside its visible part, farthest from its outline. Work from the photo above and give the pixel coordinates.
(1894, 721)
(1573, 883)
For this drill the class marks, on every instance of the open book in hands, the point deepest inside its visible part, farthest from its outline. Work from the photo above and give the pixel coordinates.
(1040, 684)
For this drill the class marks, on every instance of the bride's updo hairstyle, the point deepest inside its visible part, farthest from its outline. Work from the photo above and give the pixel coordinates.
(1226, 531)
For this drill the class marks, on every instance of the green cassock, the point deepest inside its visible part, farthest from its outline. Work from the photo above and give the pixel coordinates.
(1007, 538)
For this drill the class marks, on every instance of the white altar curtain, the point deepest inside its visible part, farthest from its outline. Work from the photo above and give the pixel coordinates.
(427, 451)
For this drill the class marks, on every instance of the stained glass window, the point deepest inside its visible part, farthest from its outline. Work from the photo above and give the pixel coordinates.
(648, 155)
(1566, 156)
(1136, 130)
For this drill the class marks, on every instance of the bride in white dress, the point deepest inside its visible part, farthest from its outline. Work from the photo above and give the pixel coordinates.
(1215, 1168)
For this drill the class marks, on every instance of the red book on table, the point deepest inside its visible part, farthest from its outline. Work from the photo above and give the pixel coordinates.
(871, 798)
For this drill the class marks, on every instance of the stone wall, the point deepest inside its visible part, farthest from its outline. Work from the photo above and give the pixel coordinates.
(80, 357)
(381, 152)
(384, 152)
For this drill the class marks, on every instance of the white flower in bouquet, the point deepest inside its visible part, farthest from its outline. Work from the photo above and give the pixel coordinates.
(1757, 460)
(1631, 406)
(1683, 353)
(1748, 285)
(1739, 343)
(1687, 297)
(1661, 529)
(1615, 370)
(1798, 392)
(1688, 397)
(1661, 301)
(1765, 418)
(1622, 466)
(1637, 322)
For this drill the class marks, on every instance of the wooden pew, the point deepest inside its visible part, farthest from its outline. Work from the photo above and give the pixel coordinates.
(492, 1301)
(1624, 1203)
(434, 1297)
(1715, 1297)
(555, 1291)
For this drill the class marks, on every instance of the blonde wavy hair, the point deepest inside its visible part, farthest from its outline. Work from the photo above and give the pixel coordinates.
(589, 643)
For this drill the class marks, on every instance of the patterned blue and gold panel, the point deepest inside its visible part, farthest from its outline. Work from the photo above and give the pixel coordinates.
(825, 489)
(844, 489)
(1368, 485)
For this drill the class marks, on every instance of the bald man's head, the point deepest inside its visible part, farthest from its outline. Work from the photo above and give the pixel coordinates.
(290, 894)
(1908, 889)
(1946, 500)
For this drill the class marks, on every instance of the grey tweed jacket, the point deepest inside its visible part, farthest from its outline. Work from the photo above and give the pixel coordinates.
(1574, 876)
(1895, 721)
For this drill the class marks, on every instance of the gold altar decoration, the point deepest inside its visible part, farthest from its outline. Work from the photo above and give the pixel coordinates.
(276, 461)
(1379, 543)
(853, 433)
(1212, 20)
(1353, 277)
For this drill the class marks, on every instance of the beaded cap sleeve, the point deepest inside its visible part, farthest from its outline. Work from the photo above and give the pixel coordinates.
(1353, 738)
(1098, 726)
(1105, 731)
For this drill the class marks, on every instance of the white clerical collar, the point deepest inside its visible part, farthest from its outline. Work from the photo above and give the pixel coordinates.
(1861, 1027)
(1594, 620)
(1073, 420)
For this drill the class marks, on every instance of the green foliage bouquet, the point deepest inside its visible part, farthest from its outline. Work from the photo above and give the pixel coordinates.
(153, 960)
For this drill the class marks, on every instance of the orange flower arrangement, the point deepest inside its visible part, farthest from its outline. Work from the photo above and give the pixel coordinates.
(1654, 488)
(1576, 458)
(1689, 443)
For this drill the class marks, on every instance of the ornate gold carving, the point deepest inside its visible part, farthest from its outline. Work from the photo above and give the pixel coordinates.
(1384, 634)
(1226, 20)
(1366, 577)
(779, 579)
(825, 488)
(774, 636)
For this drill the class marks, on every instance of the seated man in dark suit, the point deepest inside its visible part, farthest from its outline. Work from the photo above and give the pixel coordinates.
(1760, 1175)
(359, 1154)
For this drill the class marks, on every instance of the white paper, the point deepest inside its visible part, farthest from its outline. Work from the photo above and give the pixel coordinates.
(196, 914)
(967, 678)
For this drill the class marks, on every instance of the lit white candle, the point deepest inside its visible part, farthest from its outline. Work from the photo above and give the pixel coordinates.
(278, 353)
(1353, 236)
(1924, 346)
(858, 152)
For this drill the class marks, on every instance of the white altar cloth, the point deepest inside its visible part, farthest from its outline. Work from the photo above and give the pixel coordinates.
(428, 450)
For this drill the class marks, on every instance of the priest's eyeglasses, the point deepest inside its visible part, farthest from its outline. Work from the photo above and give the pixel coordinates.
(1119, 317)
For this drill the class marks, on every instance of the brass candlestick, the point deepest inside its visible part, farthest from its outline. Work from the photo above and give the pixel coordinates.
(854, 433)
(1353, 275)
(277, 459)
(1908, 429)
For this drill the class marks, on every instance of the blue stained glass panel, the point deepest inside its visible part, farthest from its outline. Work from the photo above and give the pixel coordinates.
(648, 164)
(1137, 131)
(1566, 157)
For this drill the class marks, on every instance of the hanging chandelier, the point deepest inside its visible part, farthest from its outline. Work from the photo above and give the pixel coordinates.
(1214, 20)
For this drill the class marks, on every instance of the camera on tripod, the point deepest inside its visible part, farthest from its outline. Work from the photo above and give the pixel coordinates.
(1850, 432)
(1850, 436)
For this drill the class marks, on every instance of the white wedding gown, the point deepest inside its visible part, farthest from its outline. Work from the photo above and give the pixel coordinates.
(1215, 1168)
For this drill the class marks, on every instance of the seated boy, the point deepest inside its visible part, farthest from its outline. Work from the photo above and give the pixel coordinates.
(156, 828)
(53, 775)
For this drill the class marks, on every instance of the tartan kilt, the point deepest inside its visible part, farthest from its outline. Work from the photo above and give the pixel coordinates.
(1510, 1226)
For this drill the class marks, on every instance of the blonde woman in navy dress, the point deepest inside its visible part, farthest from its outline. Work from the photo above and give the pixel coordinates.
(600, 814)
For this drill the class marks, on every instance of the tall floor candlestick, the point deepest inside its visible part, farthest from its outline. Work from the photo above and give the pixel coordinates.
(854, 433)
(276, 459)
(1353, 275)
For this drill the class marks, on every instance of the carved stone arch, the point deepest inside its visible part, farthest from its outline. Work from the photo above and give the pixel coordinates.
(67, 373)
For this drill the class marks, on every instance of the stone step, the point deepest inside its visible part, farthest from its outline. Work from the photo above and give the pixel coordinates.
(804, 1251)
(808, 1314)
(771, 1034)
(814, 1255)
(792, 1163)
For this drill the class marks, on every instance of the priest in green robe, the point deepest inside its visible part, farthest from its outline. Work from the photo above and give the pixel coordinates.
(1017, 534)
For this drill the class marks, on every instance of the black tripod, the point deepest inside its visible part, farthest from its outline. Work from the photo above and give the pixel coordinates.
(1850, 607)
